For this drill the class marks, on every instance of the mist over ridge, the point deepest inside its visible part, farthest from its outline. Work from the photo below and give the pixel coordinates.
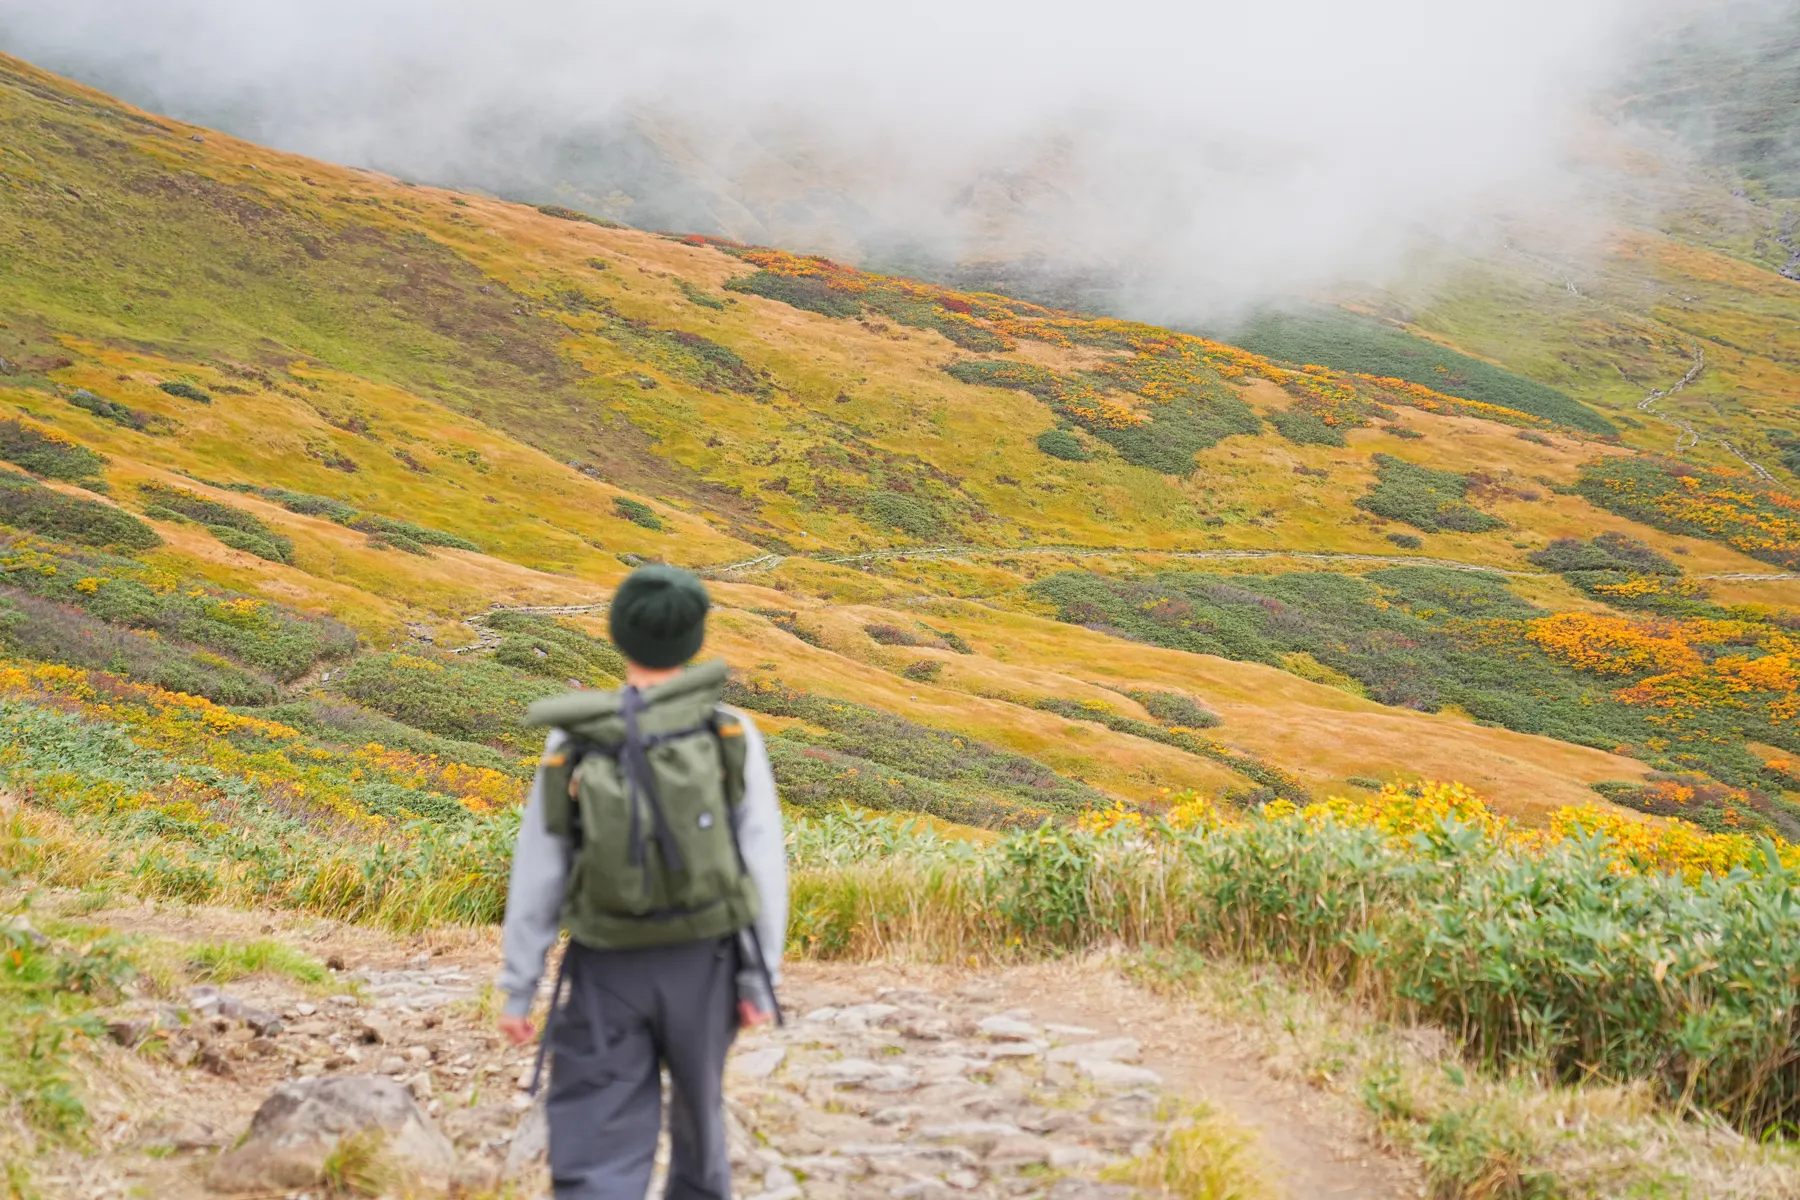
(1214, 156)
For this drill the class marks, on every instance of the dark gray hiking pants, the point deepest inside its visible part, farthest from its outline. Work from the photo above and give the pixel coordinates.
(627, 1014)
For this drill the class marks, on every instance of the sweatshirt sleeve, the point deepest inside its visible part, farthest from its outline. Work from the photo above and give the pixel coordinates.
(534, 899)
(764, 846)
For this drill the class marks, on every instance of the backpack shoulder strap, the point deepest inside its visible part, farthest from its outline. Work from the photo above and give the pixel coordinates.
(728, 730)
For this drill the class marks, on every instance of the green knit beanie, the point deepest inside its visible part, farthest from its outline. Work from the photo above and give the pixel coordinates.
(658, 616)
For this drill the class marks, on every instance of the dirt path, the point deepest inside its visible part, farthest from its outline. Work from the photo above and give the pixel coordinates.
(890, 1082)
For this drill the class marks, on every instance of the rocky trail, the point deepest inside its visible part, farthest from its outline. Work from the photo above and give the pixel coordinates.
(891, 1082)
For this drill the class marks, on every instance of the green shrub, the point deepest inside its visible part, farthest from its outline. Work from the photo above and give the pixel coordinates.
(112, 410)
(47, 454)
(637, 512)
(1173, 708)
(570, 214)
(267, 638)
(402, 535)
(1421, 638)
(1188, 407)
(697, 295)
(1351, 343)
(1060, 443)
(186, 391)
(1424, 498)
(953, 641)
(234, 526)
(1721, 506)
(893, 635)
(400, 542)
(1306, 428)
(788, 621)
(962, 763)
(1364, 782)
(35, 628)
(269, 549)
(351, 725)
(924, 670)
(805, 292)
(548, 647)
(27, 504)
(1272, 781)
(1406, 541)
(1545, 962)
(471, 700)
(905, 513)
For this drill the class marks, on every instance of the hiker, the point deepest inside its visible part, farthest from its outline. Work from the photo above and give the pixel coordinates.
(654, 837)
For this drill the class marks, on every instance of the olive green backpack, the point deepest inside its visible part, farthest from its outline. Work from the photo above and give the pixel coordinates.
(645, 788)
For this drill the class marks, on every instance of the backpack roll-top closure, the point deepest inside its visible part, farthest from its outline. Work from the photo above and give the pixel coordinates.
(645, 788)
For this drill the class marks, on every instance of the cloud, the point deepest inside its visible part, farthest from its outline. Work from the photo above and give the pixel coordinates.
(1214, 154)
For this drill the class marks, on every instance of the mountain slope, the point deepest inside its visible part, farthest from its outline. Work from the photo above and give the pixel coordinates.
(329, 394)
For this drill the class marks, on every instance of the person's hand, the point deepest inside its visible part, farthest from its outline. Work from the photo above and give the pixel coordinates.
(749, 1015)
(517, 1030)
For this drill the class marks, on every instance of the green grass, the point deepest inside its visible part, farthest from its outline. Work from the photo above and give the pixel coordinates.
(1425, 498)
(222, 962)
(1352, 343)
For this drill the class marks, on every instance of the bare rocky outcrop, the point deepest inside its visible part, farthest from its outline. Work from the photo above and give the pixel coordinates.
(305, 1120)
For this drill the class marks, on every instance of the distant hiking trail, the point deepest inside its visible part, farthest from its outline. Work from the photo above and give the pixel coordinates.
(487, 637)
(1686, 436)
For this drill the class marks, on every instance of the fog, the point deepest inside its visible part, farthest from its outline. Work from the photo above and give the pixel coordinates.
(1214, 155)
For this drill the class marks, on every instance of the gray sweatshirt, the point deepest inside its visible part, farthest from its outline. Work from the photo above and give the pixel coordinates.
(540, 872)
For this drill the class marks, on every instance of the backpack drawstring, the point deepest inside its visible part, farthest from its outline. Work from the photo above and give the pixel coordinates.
(639, 776)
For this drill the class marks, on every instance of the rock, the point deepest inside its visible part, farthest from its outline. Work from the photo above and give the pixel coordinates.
(1007, 1028)
(779, 1179)
(179, 1137)
(967, 1130)
(265, 1024)
(305, 1009)
(302, 1122)
(1022, 1150)
(374, 1032)
(393, 1064)
(1075, 1158)
(1069, 1030)
(312, 1029)
(1109, 1050)
(1119, 1075)
(757, 1064)
(214, 1061)
(848, 1070)
(130, 1032)
(183, 1049)
(791, 1192)
(530, 1143)
(1081, 1189)
(826, 1165)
